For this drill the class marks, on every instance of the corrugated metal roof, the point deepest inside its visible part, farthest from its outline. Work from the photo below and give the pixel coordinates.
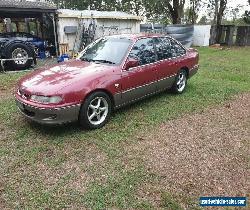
(97, 14)
(26, 4)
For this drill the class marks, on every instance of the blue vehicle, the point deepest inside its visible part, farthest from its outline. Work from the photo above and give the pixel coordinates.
(39, 44)
(19, 47)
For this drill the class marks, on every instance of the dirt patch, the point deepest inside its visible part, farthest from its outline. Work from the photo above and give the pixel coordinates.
(75, 169)
(203, 154)
(6, 93)
(2, 201)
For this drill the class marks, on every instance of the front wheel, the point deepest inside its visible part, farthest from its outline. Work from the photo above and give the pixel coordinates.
(95, 111)
(180, 82)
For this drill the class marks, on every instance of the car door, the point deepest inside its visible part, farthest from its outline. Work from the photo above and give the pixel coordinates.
(167, 62)
(140, 81)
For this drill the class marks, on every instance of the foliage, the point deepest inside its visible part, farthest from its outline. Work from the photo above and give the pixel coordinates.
(236, 22)
(216, 9)
(193, 11)
(203, 20)
(152, 9)
(246, 16)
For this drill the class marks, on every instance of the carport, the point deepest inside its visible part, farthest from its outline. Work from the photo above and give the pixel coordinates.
(37, 18)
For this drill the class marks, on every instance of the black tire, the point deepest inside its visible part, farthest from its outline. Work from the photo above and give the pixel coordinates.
(176, 88)
(85, 110)
(28, 50)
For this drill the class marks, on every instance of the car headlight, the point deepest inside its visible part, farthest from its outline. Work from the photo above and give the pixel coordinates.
(46, 99)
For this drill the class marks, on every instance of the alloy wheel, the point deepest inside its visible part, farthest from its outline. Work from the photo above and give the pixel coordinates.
(20, 54)
(181, 81)
(97, 110)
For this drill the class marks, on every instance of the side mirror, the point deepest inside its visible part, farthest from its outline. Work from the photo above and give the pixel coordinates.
(131, 62)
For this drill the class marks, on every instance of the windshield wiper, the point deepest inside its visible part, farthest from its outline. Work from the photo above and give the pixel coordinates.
(103, 61)
(86, 59)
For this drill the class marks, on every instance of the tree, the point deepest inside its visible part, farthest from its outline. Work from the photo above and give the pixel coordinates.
(193, 11)
(217, 9)
(222, 7)
(176, 10)
(173, 9)
(135, 7)
(246, 16)
(161, 9)
(203, 20)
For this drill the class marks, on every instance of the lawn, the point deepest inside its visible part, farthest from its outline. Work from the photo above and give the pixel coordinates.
(66, 167)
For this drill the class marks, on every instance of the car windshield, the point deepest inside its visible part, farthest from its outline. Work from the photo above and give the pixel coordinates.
(106, 50)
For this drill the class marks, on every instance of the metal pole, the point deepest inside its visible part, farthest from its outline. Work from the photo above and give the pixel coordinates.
(55, 35)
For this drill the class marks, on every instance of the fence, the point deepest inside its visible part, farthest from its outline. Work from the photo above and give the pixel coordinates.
(230, 35)
(182, 33)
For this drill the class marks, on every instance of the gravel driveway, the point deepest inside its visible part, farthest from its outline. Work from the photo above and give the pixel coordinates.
(203, 154)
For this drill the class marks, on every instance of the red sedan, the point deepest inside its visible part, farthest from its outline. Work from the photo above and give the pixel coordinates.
(111, 72)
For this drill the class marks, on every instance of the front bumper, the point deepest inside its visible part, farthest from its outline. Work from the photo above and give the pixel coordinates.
(49, 116)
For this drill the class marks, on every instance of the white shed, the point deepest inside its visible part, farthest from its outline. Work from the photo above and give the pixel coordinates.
(104, 22)
(201, 35)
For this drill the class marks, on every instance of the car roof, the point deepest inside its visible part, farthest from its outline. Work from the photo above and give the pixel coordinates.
(139, 35)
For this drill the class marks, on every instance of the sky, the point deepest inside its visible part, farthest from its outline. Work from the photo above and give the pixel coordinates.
(231, 4)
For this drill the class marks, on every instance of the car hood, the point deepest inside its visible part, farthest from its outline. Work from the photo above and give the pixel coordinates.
(49, 80)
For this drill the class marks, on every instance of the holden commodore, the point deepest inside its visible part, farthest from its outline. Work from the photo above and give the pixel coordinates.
(111, 72)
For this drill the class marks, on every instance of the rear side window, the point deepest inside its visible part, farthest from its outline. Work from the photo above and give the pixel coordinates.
(178, 50)
(163, 48)
(167, 48)
(143, 51)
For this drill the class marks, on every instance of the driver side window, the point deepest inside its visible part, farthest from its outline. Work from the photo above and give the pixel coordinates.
(143, 51)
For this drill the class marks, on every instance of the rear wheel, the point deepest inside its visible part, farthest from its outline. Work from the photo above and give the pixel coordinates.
(95, 111)
(21, 52)
(180, 82)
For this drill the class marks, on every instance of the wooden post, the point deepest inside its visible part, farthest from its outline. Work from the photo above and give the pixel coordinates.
(55, 34)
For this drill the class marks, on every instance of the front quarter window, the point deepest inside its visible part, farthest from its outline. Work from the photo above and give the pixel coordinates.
(111, 50)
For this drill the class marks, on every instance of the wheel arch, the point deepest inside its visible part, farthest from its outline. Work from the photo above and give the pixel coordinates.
(101, 90)
(186, 69)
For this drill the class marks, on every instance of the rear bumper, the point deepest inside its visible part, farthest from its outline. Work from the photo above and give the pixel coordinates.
(49, 116)
(193, 71)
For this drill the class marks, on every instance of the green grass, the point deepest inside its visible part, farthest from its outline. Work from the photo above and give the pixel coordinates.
(169, 202)
(60, 167)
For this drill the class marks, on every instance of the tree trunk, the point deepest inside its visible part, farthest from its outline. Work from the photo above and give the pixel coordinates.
(216, 10)
(222, 7)
(176, 10)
